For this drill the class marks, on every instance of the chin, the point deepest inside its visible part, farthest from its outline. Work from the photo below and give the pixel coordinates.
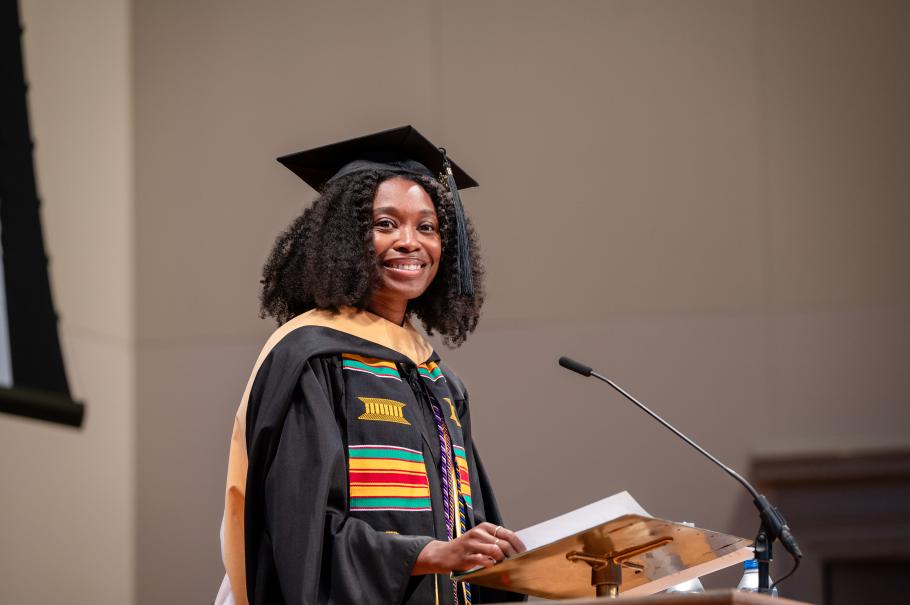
(412, 295)
(408, 295)
(408, 291)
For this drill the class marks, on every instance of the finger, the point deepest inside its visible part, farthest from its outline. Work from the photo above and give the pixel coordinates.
(481, 534)
(507, 549)
(474, 560)
(512, 538)
(490, 549)
(483, 560)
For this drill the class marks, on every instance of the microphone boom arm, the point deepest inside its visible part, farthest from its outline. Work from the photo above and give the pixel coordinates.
(773, 525)
(679, 434)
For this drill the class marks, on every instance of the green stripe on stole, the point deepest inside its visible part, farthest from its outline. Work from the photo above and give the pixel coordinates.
(381, 452)
(390, 503)
(434, 373)
(351, 363)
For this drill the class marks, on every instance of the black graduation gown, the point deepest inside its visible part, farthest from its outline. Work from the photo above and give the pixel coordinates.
(343, 486)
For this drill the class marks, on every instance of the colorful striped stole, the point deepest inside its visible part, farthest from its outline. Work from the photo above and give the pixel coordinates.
(385, 477)
(370, 365)
(430, 370)
(464, 479)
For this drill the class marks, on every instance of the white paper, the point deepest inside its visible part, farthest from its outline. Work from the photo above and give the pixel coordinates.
(580, 519)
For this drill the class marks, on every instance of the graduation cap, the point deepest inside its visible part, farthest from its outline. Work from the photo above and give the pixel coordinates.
(402, 151)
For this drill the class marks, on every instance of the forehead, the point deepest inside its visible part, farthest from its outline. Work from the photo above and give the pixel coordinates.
(400, 194)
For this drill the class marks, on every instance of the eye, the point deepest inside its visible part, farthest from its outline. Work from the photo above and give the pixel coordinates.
(384, 223)
(428, 227)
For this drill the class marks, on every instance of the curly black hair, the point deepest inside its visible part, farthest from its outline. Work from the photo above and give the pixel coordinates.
(325, 259)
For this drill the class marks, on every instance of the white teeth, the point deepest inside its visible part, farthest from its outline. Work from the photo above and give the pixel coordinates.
(408, 267)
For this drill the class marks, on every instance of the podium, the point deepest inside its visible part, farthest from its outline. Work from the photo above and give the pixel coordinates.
(611, 548)
(631, 554)
(710, 597)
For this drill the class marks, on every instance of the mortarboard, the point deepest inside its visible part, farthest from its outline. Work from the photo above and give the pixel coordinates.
(400, 150)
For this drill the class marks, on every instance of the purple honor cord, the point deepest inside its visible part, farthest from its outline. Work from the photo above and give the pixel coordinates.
(446, 465)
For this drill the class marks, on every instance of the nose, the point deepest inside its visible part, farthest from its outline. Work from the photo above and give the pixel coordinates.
(407, 239)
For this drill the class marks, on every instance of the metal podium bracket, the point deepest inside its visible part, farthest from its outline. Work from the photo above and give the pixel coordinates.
(606, 570)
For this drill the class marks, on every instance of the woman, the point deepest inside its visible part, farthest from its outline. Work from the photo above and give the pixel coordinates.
(352, 475)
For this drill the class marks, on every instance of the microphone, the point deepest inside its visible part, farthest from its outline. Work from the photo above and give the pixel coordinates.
(772, 520)
(571, 364)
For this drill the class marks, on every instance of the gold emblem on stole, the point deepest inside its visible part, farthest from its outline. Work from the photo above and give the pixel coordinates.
(454, 416)
(383, 410)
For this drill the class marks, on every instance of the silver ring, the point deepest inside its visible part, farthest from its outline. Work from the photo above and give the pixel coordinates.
(495, 531)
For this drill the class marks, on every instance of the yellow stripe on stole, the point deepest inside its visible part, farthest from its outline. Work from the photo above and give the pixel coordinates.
(388, 491)
(386, 464)
(465, 486)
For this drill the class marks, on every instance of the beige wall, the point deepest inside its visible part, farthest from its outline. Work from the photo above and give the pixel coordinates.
(706, 200)
(67, 496)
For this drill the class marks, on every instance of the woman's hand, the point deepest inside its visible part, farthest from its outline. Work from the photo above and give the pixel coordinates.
(482, 546)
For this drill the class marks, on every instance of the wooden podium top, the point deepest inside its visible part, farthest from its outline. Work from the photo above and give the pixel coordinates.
(710, 597)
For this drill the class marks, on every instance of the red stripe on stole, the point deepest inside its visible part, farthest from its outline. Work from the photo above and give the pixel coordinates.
(464, 475)
(377, 478)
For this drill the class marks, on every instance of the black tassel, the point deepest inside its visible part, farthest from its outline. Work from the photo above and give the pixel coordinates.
(464, 276)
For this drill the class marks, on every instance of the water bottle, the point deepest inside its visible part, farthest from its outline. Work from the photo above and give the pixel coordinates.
(749, 582)
(693, 585)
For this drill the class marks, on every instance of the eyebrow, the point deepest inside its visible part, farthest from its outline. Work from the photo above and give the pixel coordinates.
(394, 210)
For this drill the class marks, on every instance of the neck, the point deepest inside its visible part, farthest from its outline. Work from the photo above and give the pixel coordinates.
(392, 312)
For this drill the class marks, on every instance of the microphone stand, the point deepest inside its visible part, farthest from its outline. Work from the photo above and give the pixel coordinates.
(772, 525)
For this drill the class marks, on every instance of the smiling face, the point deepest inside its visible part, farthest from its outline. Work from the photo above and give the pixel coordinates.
(407, 244)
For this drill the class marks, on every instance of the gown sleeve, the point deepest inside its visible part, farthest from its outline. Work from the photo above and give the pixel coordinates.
(308, 550)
